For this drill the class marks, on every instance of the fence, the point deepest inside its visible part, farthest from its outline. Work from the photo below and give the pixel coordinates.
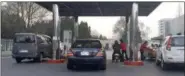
(6, 45)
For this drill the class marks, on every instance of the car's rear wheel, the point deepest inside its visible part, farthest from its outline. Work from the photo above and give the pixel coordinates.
(157, 62)
(163, 65)
(18, 60)
(39, 58)
(69, 66)
(103, 67)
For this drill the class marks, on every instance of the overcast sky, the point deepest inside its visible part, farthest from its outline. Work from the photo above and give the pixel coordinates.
(104, 25)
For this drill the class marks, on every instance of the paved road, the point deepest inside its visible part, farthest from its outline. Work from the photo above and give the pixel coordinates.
(10, 68)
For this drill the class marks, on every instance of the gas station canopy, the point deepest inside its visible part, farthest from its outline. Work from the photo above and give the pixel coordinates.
(100, 8)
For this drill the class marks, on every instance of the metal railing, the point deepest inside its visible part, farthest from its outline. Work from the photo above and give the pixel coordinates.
(6, 44)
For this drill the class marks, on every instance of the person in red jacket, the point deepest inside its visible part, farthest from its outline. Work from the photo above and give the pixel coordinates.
(123, 50)
(142, 49)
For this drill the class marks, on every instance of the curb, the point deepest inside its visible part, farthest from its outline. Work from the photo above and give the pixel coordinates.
(134, 63)
(56, 61)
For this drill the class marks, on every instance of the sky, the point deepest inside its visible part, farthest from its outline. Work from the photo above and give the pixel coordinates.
(104, 25)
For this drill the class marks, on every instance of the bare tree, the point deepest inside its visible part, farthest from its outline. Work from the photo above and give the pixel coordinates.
(30, 12)
(119, 28)
(145, 30)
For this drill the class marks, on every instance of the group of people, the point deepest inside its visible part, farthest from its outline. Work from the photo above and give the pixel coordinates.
(117, 47)
(122, 50)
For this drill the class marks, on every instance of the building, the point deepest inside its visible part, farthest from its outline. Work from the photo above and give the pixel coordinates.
(164, 28)
(177, 25)
(171, 26)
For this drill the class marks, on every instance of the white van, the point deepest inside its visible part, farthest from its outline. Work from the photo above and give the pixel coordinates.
(171, 52)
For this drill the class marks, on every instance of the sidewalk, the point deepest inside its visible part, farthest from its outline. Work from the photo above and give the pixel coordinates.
(6, 53)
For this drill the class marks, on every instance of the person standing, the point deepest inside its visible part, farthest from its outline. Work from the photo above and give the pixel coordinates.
(142, 49)
(123, 50)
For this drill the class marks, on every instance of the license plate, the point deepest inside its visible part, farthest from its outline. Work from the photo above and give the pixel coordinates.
(84, 53)
(23, 51)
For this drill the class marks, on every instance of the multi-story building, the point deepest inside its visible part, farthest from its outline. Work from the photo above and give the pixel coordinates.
(164, 28)
(177, 25)
(171, 26)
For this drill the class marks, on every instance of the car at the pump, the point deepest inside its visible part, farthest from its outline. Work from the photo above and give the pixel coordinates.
(152, 52)
(86, 52)
(171, 52)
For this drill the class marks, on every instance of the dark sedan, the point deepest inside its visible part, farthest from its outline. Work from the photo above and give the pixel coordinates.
(86, 52)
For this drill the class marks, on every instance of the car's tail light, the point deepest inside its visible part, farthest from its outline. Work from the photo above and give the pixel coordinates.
(100, 53)
(168, 47)
(70, 53)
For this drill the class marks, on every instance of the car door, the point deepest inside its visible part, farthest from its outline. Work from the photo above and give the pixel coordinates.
(49, 47)
(40, 44)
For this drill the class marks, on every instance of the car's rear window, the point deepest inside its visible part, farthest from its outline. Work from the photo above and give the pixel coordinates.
(178, 41)
(24, 39)
(87, 44)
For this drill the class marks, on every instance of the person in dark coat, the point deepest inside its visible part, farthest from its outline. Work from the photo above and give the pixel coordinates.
(116, 49)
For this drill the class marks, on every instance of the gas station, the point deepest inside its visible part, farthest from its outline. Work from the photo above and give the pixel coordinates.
(131, 11)
(75, 10)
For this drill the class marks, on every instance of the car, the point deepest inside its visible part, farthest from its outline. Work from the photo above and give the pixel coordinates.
(152, 52)
(86, 52)
(31, 46)
(171, 52)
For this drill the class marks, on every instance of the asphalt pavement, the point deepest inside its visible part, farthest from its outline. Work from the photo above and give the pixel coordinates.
(10, 68)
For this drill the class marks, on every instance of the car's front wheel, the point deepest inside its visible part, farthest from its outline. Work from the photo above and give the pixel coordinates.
(157, 62)
(163, 65)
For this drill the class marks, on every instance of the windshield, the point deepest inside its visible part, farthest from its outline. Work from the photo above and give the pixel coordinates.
(86, 44)
(178, 41)
(24, 39)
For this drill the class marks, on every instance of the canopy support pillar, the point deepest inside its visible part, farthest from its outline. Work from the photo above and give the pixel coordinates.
(134, 23)
(75, 35)
(56, 35)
